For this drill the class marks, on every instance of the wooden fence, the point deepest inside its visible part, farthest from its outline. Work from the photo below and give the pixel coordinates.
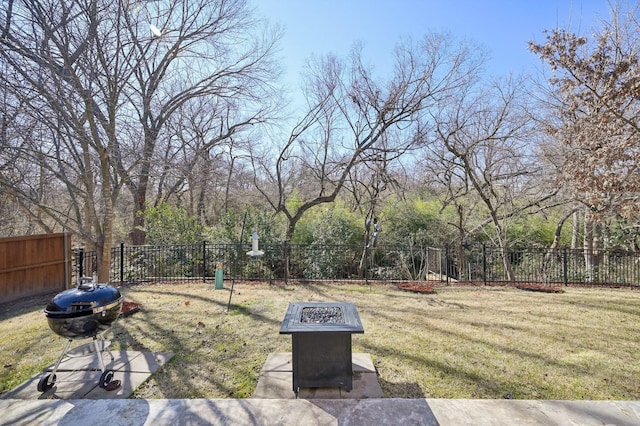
(34, 265)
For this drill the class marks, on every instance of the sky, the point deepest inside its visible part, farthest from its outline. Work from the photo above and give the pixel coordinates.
(502, 27)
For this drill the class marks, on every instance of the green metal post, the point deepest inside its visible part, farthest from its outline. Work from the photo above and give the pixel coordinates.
(219, 276)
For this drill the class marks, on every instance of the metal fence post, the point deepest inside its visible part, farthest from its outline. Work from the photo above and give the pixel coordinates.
(204, 261)
(80, 263)
(446, 263)
(121, 263)
(285, 261)
(565, 273)
(484, 264)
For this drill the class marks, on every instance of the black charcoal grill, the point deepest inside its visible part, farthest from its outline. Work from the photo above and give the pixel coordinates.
(86, 311)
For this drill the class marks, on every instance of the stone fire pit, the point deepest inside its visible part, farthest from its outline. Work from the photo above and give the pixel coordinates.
(321, 343)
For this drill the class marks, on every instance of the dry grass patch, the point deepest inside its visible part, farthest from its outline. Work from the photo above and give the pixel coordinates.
(462, 342)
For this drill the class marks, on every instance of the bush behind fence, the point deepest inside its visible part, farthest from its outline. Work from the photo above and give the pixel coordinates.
(130, 264)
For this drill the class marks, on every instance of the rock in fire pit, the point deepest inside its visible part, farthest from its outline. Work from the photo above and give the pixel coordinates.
(321, 343)
(321, 315)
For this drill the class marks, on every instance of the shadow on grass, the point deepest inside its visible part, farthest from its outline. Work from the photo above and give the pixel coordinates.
(204, 362)
(406, 389)
(25, 305)
(484, 386)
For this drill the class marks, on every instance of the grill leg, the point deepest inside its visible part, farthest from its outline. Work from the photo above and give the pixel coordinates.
(64, 352)
(99, 353)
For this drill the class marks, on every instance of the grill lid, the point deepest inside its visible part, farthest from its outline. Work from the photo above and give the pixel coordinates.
(87, 298)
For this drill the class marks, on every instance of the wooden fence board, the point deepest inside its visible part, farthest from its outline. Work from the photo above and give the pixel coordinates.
(34, 265)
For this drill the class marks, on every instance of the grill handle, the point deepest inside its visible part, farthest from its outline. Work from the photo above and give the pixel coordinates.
(86, 283)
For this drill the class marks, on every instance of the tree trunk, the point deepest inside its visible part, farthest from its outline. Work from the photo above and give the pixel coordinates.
(575, 234)
(225, 206)
(554, 245)
(592, 254)
(104, 252)
(287, 253)
(502, 241)
(137, 233)
(461, 237)
(506, 262)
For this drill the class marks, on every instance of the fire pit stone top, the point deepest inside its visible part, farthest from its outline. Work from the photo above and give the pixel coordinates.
(311, 317)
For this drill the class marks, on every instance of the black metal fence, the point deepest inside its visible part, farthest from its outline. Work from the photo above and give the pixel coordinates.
(348, 262)
(327, 262)
(564, 266)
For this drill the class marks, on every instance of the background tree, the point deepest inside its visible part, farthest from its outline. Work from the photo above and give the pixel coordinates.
(92, 86)
(595, 94)
(486, 143)
(354, 119)
(53, 53)
(167, 224)
(204, 49)
(369, 184)
(199, 157)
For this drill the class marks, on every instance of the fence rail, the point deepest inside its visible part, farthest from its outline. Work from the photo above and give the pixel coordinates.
(348, 262)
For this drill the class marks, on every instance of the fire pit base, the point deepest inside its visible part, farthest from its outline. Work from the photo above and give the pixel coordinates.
(323, 361)
(321, 343)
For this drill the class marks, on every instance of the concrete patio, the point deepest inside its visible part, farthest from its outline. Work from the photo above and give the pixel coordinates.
(274, 402)
(78, 376)
(275, 380)
(377, 411)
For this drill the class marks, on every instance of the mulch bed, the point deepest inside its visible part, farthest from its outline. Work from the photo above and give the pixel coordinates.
(425, 287)
(129, 308)
(429, 287)
(544, 288)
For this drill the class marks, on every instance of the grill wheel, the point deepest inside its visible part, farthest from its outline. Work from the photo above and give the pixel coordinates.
(44, 385)
(105, 378)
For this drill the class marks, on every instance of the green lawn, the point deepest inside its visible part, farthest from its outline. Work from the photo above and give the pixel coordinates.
(462, 342)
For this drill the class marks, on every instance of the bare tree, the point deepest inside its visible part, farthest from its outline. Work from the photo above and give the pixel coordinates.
(99, 83)
(199, 158)
(204, 49)
(353, 119)
(54, 51)
(370, 184)
(487, 149)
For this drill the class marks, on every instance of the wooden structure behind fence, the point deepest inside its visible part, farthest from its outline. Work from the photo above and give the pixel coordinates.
(34, 265)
